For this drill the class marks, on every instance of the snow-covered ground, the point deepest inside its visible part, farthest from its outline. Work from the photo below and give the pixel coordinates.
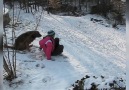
(5, 10)
(90, 48)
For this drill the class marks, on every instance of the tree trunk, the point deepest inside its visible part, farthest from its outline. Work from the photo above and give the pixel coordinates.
(80, 5)
(5, 65)
(8, 70)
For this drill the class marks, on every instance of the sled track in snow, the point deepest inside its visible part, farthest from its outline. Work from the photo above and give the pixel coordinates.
(83, 38)
(76, 38)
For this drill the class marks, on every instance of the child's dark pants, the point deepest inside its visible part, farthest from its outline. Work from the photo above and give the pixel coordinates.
(58, 48)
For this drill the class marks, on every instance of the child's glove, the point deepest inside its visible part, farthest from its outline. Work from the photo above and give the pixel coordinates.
(40, 48)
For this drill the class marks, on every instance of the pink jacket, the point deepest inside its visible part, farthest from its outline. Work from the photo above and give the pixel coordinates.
(47, 44)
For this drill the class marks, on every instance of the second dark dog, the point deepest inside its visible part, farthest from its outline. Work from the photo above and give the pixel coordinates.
(23, 41)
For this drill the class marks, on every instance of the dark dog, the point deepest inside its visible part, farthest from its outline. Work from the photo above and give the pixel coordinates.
(23, 41)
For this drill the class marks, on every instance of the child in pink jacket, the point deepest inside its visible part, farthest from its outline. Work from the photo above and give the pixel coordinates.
(50, 45)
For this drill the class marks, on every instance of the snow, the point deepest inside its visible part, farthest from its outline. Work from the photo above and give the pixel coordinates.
(5, 10)
(127, 63)
(123, 0)
(91, 48)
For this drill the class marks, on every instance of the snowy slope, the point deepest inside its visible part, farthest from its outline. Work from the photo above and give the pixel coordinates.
(91, 48)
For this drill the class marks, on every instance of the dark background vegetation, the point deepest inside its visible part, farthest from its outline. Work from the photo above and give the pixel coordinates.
(110, 9)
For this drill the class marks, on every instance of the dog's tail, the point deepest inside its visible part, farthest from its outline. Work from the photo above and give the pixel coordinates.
(6, 46)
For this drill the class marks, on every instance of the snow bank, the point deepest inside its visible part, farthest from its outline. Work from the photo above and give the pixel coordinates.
(5, 10)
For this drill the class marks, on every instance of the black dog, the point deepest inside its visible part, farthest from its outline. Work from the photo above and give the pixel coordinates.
(22, 42)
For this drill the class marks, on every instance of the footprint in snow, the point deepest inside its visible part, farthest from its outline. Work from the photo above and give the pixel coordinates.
(40, 65)
(46, 79)
(60, 58)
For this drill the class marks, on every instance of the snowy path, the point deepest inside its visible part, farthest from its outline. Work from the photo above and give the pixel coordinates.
(91, 48)
(98, 39)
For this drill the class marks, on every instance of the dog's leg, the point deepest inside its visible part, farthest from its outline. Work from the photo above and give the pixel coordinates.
(31, 45)
(27, 47)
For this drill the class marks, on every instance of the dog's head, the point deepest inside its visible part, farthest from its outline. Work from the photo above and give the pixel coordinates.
(36, 34)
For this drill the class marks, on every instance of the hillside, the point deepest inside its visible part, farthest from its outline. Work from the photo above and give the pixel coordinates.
(91, 48)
